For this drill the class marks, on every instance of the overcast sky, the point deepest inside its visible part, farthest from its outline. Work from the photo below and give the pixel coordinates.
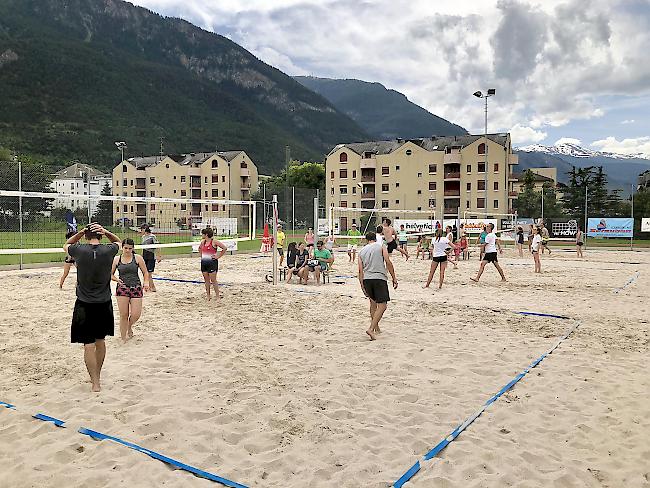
(576, 69)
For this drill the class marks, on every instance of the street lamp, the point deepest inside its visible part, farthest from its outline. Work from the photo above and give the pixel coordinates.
(478, 94)
(121, 145)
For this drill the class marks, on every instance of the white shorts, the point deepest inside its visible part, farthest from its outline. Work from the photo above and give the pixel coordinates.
(352, 247)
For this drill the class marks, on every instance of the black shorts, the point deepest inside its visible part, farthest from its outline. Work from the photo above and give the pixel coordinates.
(490, 257)
(392, 245)
(209, 265)
(280, 251)
(69, 260)
(91, 322)
(580, 244)
(440, 259)
(545, 243)
(377, 290)
(150, 263)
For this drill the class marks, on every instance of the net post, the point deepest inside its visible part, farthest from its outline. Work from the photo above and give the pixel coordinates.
(316, 215)
(254, 205)
(20, 209)
(275, 240)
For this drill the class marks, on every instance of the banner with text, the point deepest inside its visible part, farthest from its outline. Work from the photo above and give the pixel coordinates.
(645, 225)
(475, 226)
(615, 227)
(417, 225)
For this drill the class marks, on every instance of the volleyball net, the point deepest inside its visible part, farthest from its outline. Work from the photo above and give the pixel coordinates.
(37, 222)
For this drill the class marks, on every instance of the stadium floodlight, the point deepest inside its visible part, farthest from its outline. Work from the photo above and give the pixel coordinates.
(477, 94)
(491, 91)
(121, 145)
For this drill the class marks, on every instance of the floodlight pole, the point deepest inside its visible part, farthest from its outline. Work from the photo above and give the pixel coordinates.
(479, 94)
(20, 207)
(542, 203)
(274, 252)
(586, 197)
(632, 212)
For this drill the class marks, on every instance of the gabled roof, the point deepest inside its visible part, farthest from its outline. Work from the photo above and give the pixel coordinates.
(537, 178)
(78, 170)
(144, 161)
(433, 143)
(183, 159)
(229, 155)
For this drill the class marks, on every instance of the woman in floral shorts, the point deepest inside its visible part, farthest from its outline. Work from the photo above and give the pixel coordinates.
(129, 287)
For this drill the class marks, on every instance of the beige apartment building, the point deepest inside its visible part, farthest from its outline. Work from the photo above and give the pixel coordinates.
(229, 175)
(446, 174)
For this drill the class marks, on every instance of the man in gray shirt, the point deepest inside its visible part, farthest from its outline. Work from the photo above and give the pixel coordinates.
(374, 261)
(92, 319)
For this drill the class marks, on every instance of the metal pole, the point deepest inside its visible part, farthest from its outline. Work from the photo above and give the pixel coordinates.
(254, 220)
(632, 235)
(316, 215)
(293, 210)
(20, 209)
(487, 164)
(275, 239)
(586, 228)
(121, 205)
(542, 203)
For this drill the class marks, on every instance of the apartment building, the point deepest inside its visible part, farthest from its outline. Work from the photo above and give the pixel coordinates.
(78, 181)
(446, 174)
(227, 175)
(543, 176)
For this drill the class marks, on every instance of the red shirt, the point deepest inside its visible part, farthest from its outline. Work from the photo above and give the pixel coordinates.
(207, 248)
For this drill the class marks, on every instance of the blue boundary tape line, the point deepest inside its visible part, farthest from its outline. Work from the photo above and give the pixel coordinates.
(415, 468)
(629, 282)
(174, 280)
(538, 314)
(153, 454)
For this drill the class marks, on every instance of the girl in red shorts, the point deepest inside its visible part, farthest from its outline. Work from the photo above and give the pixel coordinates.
(129, 287)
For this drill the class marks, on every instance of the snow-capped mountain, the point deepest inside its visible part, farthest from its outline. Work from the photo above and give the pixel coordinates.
(576, 151)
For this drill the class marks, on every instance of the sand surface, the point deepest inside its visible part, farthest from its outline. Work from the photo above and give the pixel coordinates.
(279, 386)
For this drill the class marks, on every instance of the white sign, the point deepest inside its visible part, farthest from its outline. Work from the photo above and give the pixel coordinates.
(324, 227)
(222, 226)
(475, 226)
(417, 225)
(230, 245)
(567, 229)
(645, 225)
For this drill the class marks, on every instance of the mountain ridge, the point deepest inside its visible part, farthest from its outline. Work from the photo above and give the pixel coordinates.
(382, 112)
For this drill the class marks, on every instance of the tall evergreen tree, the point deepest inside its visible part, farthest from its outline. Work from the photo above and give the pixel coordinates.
(528, 202)
(104, 213)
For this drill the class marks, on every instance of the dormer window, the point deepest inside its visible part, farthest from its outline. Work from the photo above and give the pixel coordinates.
(481, 148)
(343, 157)
(367, 155)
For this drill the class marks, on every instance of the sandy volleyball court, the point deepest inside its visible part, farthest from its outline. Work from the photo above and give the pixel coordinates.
(275, 387)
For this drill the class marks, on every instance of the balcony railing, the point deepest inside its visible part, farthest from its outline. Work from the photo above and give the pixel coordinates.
(452, 175)
(513, 193)
(451, 158)
(368, 178)
(452, 193)
(195, 183)
(368, 204)
(245, 172)
(451, 210)
(368, 195)
(368, 163)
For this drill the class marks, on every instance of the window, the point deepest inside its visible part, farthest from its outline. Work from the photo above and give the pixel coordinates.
(331, 175)
(215, 164)
(215, 207)
(419, 175)
(354, 205)
(152, 206)
(174, 176)
(131, 208)
(419, 192)
(396, 185)
(343, 157)
(183, 193)
(496, 186)
(385, 170)
(167, 166)
(480, 203)
(467, 204)
(124, 168)
(206, 208)
(469, 187)
(343, 190)
(432, 202)
(354, 173)
(384, 204)
(354, 190)
(223, 179)
(153, 219)
(159, 184)
(332, 192)
(243, 164)
(183, 206)
(367, 155)
(385, 187)
(396, 202)
(409, 152)
(432, 186)
(343, 173)
(205, 193)
(481, 168)
(344, 203)
(481, 185)
(433, 168)
(223, 193)
(182, 179)
(174, 192)
(469, 168)
(396, 168)
(419, 208)
(496, 167)
(215, 178)
(215, 193)
(496, 204)
(126, 208)
(125, 182)
(152, 193)
(152, 180)
(481, 148)
(205, 180)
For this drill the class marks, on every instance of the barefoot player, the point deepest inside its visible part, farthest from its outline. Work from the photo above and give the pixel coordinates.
(489, 253)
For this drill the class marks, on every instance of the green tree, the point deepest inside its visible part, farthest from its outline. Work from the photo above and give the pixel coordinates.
(35, 177)
(552, 207)
(528, 201)
(104, 213)
(641, 210)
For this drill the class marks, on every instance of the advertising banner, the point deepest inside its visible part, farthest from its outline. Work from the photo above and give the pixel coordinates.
(645, 225)
(615, 227)
(564, 229)
(474, 226)
(417, 225)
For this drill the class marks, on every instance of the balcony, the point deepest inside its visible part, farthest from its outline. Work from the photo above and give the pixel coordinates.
(245, 187)
(369, 195)
(513, 193)
(141, 210)
(452, 175)
(245, 172)
(367, 178)
(453, 157)
(368, 204)
(196, 194)
(195, 182)
(452, 193)
(141, 184)
(368, 163)
(514, 159)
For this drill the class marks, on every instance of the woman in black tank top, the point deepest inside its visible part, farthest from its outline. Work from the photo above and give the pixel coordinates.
(129, 287)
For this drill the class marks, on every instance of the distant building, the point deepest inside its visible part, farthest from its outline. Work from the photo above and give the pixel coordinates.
(644, 180)
(542, 176)
(80, 180)
(445, 174)
(223, 175)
